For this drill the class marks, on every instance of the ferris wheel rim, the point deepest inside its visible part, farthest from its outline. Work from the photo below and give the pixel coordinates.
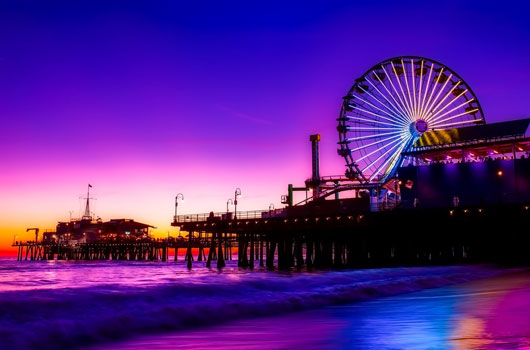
(401, 118)
(428, 59)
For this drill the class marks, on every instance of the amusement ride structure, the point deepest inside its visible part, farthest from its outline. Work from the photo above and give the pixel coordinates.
(397, 114)
(391, 105)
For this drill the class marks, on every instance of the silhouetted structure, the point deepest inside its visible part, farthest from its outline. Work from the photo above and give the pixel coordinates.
(427, 188)
(87, 230)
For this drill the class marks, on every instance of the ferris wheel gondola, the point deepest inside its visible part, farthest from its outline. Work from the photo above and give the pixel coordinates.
(391, 105)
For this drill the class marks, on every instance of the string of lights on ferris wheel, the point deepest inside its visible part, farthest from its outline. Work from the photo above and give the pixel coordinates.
(393, 104)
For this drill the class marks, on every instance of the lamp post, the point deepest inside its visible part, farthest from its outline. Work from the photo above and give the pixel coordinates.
(237, 193)
(228, 202)
(271, 208)
(499, 185)
(181, 197)
(397, 184)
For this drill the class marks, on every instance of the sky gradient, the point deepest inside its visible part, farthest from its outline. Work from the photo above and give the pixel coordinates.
(148, 99)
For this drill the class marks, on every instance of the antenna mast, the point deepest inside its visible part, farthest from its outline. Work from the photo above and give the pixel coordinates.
(87, 215)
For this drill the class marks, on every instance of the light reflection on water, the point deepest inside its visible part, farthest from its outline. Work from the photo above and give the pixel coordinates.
(486, 314)
(45, 275)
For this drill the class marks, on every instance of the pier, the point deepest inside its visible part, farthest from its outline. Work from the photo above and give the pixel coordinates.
(275, 239)
(145, 250)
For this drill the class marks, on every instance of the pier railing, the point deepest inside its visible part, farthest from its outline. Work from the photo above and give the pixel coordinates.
(240, 215)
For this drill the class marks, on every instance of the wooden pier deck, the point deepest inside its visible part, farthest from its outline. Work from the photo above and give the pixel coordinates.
(145, 250)
(390, 238)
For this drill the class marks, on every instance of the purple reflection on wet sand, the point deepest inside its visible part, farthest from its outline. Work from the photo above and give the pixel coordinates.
(492, 313)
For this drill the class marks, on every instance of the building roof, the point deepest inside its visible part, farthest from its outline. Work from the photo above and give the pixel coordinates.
(492, 148)
(127, 222)
(483, 133)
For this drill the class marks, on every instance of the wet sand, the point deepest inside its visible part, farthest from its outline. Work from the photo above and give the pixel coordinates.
(492, 313)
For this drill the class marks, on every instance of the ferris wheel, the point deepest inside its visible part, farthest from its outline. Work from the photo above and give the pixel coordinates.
(391, 105)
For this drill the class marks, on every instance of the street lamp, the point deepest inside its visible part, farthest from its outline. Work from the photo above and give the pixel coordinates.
(228, 202)
(236, 194)
(181, 197)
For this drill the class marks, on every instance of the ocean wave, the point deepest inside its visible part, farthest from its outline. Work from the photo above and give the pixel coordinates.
(68, 318)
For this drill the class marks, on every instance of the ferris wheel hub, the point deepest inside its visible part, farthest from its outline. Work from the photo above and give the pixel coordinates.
(418, 127)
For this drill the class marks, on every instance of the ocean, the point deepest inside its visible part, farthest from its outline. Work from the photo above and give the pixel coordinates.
(154, 305)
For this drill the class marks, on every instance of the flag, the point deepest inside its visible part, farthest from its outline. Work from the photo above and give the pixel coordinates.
(89, 185)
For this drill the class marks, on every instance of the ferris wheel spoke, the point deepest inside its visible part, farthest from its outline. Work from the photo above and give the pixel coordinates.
(401, 102)
(368, 121)
(363, 121)
(382, 111)
(455, 116)
(372, 113)
(420, 82)
(377, 150)
(414, 86)
(452, 110)
(403, 95)
(375, 143)
(429, 84)
(404, 114)
(396, 110)
(429, 107)
(379, 158)
(411, 119)
(434, 84)
(373, 136)
(434, 110)
(374, 128)
(437, 115)
(392, 159)
(469, 121)
(413, 115)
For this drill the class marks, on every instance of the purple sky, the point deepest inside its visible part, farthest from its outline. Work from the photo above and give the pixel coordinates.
(148, 99)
